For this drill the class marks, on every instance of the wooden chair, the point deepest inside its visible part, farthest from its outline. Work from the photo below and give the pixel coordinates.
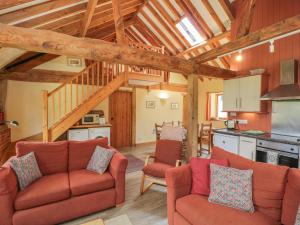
(157, 131)
(171, 124)
(204, 138)
(167, 155)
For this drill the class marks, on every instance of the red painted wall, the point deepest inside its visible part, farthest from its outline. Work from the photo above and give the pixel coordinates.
(266, 13)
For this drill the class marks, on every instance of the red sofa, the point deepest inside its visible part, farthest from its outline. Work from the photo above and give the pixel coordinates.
(67, 190)
(276, 196)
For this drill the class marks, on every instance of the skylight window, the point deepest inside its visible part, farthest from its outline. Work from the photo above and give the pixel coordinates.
(189, 31)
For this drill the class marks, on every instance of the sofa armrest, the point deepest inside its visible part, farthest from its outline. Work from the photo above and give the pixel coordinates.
(179, 182)
(8, 192)
(117, 169)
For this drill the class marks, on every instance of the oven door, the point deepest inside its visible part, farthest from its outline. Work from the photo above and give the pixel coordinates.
(290, 160)
(261, 154)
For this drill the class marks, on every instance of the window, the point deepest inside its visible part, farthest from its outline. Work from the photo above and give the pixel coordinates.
(189, 32)
(215, 107)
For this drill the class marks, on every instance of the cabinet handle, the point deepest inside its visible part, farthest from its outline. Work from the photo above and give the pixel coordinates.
(247, 141)
(236, 102)
(240, 102)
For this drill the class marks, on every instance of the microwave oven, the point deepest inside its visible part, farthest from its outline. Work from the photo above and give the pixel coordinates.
(90, 119)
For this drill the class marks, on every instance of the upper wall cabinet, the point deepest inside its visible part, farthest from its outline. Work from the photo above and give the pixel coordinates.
(243, 94)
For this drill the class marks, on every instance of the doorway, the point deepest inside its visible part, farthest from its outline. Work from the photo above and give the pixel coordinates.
(120, 117)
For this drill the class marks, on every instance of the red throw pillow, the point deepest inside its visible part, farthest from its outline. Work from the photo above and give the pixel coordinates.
(201, 174)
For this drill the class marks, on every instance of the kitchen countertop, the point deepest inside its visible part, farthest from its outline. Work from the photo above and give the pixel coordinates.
(265, 136)
(90, 126)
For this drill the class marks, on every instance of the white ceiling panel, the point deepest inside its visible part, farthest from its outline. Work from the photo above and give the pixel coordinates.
(221, 13)
(140, 35)
(206, 16)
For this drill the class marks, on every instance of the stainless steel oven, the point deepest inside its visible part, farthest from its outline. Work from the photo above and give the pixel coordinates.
(277, 153)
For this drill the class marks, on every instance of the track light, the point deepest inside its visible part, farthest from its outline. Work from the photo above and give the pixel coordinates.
(239, 57)
(272, 47)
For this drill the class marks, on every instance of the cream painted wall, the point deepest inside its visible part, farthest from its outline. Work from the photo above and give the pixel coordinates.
(146, 118)
(24, 104)
(213, 85)
(61, 63)
(177, 78)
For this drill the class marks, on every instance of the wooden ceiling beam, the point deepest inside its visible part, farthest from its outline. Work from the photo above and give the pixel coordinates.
(163, 23)
(88, 16)
(11, 3)
(280, 28)
(166, 16)
(31, 62)
(214, 15)
(188, 14)
(246, 21)
(163, 35)
(34, 10)
(98, 50)
(226, 34)
(145, 35)
(227, 9)
(35, 75)
(131, 31)
(140, 26)
(119, 23)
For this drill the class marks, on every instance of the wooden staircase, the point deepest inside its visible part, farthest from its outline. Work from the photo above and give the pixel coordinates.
(69, 102)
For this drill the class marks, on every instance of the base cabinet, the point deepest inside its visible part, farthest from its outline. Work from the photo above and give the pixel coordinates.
(247, 148)
(89, 133)
(229, 143)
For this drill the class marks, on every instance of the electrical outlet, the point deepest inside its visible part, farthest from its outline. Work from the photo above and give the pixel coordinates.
(242, 121)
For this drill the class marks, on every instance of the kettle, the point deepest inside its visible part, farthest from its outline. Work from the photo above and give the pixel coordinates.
(230, 124)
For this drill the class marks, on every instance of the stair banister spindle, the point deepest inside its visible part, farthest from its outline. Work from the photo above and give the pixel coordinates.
(98, 74)
(59, 104)
(71, 95)
(45, 117)
(93, 76)
(77, 92)
(65, 102)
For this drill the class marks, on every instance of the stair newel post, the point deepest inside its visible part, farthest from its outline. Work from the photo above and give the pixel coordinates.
(45, 117)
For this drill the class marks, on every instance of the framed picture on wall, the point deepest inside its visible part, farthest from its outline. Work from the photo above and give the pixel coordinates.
(76, 62)
(175, 106)
(150, 104)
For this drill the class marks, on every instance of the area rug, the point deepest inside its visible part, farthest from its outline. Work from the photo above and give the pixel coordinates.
(119, 220)
(134, 164)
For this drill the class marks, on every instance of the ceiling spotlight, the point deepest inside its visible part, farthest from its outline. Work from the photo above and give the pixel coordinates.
(239, 57)
(272, 47)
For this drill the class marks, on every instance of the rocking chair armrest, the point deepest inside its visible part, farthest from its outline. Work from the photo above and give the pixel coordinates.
(148, 158)
(178, 163)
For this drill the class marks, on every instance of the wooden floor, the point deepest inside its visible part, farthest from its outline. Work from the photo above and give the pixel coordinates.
(148, 209)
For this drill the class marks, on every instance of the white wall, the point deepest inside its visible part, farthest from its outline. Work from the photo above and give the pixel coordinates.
(146, 118)
(61, 64)
(24, 104)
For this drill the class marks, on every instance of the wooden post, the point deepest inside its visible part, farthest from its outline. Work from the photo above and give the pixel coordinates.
(192, 144)
(45, 117)
(133, 127)
(3, 94)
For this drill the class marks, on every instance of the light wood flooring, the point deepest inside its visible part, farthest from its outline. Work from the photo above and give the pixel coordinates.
(148, 209)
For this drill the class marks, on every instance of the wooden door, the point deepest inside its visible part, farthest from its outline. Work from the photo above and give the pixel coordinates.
(120, 111)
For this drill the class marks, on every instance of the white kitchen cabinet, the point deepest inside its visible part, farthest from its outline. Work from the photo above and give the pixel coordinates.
(243, 94)
(78, 134)
(247, 147)
(99, 131)
(229, 143)
(230, 95)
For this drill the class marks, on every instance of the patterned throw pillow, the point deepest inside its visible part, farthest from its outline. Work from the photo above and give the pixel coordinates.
(100, 160)
(172, 133)
(231, 187)
(298, 216)
(27, 169)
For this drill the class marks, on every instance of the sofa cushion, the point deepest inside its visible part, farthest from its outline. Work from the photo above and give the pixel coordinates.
(80, 152)
(51, 157)
(291, 198)
(268, 182)
(26, 169)
(100, 160)
(198, 211)
(231, 187)
(156, 169)
(85, 182)
(201, 174)
(48, 189)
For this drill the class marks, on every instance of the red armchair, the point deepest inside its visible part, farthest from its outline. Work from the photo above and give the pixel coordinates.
(167, 155)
